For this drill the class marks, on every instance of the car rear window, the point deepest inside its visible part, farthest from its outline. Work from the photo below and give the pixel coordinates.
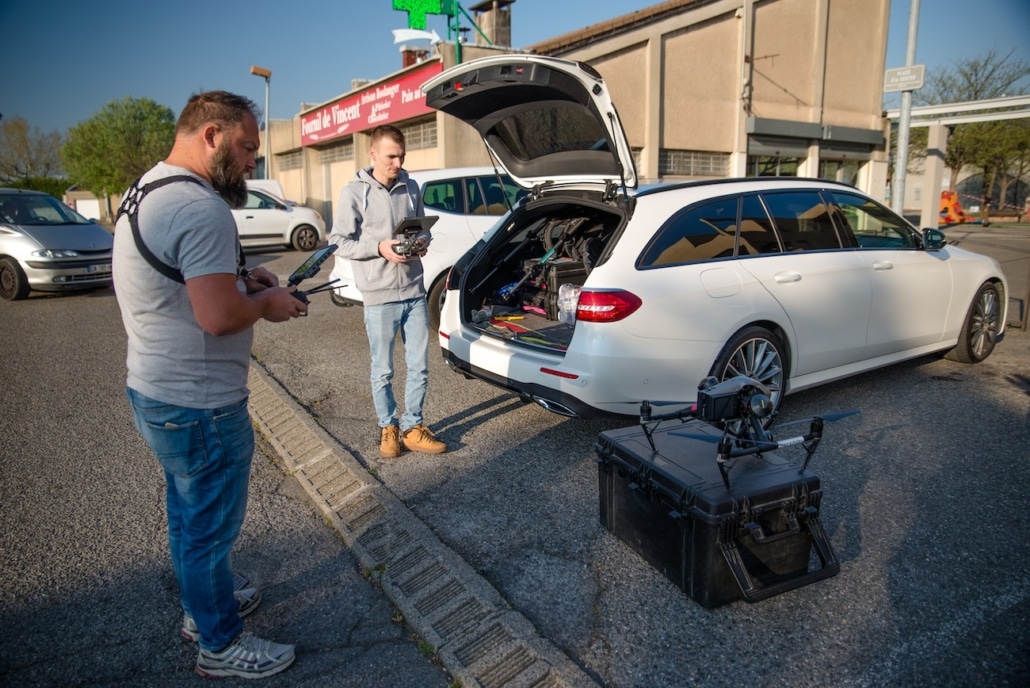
(703, 232)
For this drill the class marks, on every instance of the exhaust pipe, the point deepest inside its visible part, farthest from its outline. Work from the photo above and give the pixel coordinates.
(555, 407)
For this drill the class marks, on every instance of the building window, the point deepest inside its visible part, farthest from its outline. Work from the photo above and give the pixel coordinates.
(290, 161)
(771, 166)
(338, 153)
(684, 163)
(420, 135)
(839, 171)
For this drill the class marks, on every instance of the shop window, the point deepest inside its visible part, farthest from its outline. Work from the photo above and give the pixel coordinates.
(687, 163)
(420, 135)
(772, 166)
(845, 171)
(337, 153)
(289, 161)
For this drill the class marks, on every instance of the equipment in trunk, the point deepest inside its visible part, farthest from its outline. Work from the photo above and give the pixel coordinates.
(524, 274)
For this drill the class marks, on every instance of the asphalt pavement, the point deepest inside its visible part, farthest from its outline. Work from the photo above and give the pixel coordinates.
(88, 596)
(487, 565)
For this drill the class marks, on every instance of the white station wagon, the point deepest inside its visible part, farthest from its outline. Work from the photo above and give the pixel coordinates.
(591, 295)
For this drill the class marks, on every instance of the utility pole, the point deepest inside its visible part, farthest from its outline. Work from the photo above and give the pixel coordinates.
(901, 164)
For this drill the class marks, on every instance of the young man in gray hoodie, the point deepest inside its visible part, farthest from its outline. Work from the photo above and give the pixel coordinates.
(391, 287)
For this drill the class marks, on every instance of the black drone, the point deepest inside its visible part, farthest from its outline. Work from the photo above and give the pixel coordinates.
(742, 408)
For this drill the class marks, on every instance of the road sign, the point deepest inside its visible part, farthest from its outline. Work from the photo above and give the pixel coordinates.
(904, 78)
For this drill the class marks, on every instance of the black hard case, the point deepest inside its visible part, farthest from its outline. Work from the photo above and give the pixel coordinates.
(751, 541)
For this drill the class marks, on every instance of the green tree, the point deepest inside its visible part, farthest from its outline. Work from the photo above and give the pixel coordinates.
(111, 149)
(984, 145)
(26, 152)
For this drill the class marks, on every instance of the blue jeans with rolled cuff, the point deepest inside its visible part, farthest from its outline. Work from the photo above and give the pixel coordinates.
(206, 456)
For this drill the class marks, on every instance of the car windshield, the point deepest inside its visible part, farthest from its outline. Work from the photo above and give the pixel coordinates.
(33, 209)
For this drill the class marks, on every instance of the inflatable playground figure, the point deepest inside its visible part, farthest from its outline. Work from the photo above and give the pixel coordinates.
(951, 211)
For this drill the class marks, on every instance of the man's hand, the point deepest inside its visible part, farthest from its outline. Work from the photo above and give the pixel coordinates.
(386, 251)
(221, 308)
(281, 304)
(259, 279)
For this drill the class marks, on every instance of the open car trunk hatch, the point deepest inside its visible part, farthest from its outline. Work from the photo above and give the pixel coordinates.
(546, 121)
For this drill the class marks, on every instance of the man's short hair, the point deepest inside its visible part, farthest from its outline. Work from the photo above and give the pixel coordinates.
(226, 110)
(387, 131)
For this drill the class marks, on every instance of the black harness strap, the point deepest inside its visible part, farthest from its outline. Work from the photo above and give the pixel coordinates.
(130, 207)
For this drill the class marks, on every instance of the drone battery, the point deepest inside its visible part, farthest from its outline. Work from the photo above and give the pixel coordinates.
(670, 505)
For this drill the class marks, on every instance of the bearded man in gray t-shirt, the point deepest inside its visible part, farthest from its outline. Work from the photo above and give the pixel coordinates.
(189, 306)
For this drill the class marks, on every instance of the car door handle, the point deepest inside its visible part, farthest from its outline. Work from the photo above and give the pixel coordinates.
(785, 277)
(883, 265)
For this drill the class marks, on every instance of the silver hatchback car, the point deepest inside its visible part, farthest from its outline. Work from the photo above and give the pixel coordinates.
(47, 246)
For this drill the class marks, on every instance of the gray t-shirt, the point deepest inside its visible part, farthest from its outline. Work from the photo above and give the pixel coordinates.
(170, 358)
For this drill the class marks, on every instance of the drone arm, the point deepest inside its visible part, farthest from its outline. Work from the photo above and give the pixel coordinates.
(814, 436)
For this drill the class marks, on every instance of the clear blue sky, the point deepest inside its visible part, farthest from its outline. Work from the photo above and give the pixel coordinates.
(63, 61)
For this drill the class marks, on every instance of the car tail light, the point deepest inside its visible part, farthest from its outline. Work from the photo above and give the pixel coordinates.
(606, 306)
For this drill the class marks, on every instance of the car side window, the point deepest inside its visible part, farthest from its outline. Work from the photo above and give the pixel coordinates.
(873, 225)
(757, 235)
(257, 202)
(477, 202)
(802, 220)
(702, 232)
(445, 194)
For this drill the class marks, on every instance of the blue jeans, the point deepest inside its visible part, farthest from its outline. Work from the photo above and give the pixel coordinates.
(206, 455)
(382, 322)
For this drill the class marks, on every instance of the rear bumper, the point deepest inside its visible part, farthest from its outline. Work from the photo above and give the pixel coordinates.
(547, 398)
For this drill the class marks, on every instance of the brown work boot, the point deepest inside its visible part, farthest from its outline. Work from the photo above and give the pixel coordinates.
(420, 439)
(390, 442)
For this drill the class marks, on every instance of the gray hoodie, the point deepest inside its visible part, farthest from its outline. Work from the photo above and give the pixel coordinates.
(366, 214)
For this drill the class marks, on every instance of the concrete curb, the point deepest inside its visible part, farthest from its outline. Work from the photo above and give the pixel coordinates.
(479, 638)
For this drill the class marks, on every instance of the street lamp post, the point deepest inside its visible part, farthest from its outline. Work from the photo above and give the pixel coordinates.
(266, 74)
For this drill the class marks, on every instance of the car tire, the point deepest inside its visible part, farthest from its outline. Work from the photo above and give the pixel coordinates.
(757, 353)
(13, 284)
(434, 300)
(980, 330)
(304, 238)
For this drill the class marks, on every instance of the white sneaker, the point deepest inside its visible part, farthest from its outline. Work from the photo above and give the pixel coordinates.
(248, 657)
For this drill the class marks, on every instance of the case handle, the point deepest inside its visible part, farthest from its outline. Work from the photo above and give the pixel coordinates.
(755, 529)
(753, 591)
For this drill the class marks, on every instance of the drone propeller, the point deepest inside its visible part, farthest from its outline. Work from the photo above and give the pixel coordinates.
(715, 439)
(829, 418)
(711, 439)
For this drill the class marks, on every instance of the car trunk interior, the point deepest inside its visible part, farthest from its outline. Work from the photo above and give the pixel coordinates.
(511, 289)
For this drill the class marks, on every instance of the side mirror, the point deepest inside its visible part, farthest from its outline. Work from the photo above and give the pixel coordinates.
(934, 239)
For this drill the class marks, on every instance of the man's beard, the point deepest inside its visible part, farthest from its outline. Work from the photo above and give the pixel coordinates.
(228, 177)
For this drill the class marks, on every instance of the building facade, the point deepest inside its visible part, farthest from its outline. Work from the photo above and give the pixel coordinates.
(704, 89)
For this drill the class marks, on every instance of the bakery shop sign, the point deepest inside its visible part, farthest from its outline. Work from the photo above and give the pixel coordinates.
(385, 103)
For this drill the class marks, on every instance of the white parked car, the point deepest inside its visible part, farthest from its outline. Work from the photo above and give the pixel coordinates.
(468, 201)
(269, 220)
(592, 295)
